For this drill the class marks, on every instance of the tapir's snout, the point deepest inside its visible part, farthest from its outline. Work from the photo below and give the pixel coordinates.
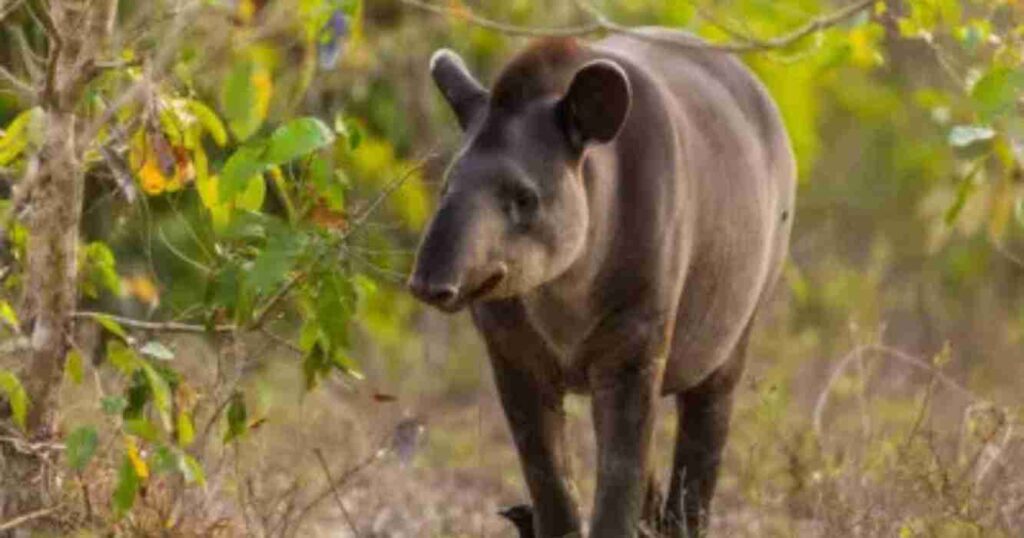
(440, 295)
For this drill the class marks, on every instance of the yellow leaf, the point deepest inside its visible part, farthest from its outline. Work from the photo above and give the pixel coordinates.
(151, 178)
(132, 448)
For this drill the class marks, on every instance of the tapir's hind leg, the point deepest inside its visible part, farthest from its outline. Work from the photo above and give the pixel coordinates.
(703, 412)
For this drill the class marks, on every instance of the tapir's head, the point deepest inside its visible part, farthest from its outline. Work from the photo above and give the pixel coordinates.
(513, 212)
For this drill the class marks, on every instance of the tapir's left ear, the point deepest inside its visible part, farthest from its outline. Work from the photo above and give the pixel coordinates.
(596, 104)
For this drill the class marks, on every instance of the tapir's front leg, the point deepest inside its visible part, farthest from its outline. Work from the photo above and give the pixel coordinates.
(625, 390)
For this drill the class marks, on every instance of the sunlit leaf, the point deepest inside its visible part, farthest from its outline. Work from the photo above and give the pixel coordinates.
(210, 121)
(254, 194)
(161, 393)
(73, 366)
(8, 316)
(23, 130)
(16, 396)
(995, 93)
(191, 470)
(80, 445)
(186, 430)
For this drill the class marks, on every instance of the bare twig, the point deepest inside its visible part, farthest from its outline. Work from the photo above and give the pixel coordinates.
(601, 23)
(10, 8)
(466, 15)
(17, 84)
(334, 490)
(893, 353)
(15, 522)
(336, 484)
(156, 326)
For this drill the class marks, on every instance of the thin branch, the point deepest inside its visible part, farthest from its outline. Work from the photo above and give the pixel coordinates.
(5, 11)
(156, 326)
(466, 15)
(902, 356)
(342, 480)
(334, 490)
(17, 84)
(601, 23)
(15, 522)
(45, 19)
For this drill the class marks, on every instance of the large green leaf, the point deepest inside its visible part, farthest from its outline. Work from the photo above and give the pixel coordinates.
(80, 446)
(297, 138)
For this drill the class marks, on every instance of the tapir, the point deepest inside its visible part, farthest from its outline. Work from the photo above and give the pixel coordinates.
(616, 215)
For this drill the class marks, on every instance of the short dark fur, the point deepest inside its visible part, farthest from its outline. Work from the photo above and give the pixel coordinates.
(616, 218)
(536, 72)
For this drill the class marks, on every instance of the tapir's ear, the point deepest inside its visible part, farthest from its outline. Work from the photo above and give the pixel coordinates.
(596, 104)
(465, 95)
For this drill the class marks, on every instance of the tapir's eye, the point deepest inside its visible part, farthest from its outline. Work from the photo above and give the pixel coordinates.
(521, 202)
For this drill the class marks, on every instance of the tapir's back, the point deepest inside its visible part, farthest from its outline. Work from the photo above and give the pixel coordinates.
(737, 162)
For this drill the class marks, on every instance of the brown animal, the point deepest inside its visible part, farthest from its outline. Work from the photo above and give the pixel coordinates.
(616, 216)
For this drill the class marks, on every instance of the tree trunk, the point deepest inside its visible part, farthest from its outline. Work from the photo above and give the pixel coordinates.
(77, 33)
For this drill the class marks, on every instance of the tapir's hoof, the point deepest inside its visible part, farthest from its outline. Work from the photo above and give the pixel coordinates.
(521, 515)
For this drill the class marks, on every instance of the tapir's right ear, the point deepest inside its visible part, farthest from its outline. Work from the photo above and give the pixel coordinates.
(465, 95)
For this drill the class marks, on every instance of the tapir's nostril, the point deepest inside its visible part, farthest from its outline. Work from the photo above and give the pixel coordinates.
(436, 294)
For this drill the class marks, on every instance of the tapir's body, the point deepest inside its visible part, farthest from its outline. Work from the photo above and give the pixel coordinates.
(683, 230)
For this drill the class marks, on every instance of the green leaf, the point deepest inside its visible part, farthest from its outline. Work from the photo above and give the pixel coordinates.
(157, 350)
(17, 398)
(276, 260)
(113, 405)
(122, 357)
(161, 393)
(995, 93)
(237, 417)
(965, 135)
(241, 167)
(80, 446)
(191, 470)
(126, 489)
(109, 324)
(297, 138)
(74, 366)
(244, 98)
(209, 120)
(334, 303)
(255, 193)
(163, 460)
(142, 429)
